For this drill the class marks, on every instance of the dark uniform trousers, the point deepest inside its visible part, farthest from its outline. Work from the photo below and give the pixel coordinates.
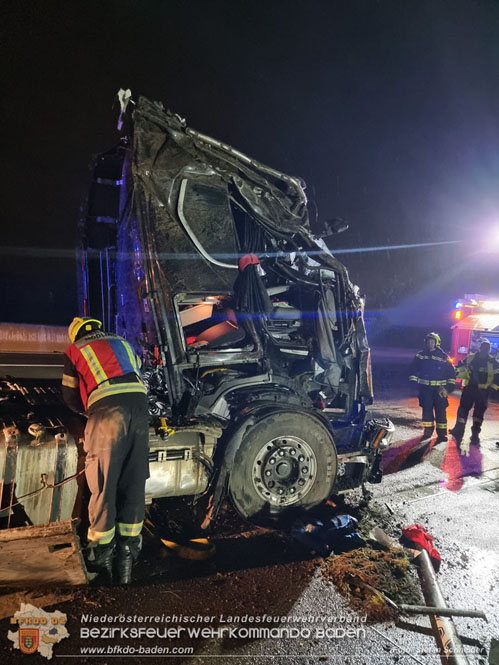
(472, 395)
(434, 407)
(117, 466)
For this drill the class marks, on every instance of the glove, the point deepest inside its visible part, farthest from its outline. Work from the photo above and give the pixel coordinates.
(442, 392)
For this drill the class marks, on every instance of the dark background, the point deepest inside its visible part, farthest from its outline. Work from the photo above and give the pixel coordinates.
(388, 109)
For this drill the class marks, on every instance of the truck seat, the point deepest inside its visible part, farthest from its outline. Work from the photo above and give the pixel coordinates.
(225, 333)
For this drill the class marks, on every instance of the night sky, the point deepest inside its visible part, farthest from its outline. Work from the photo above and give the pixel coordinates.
(388, 109)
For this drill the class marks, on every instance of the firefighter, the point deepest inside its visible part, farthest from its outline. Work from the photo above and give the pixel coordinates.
(432, 370)
(480, 374)
(102, 378)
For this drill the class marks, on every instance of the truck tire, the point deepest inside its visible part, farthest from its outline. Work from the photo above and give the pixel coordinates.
(287, 460)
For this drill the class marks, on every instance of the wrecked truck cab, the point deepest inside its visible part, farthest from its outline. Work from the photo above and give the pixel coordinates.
(253, 338)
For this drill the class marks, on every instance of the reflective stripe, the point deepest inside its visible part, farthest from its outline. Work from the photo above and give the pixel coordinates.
(440, 360)
(70, 381)
(426, 382)
(94, 364)
(490, 376)
(430, 424)
(131, 356)
(115, 389)
(451, 380)
(129, 529)
(441, 425)
(478, 420)
(102, 537)
(461, 420)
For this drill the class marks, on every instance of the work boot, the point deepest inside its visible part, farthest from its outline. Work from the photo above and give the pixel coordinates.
(441, 436)
(128, 550)
(475, 434)
(427, 433)
(99, 560)
(457, 432)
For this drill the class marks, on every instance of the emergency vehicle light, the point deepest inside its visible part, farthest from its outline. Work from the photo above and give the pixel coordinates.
(458, 314)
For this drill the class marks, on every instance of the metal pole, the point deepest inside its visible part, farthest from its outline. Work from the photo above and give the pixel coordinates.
(441, 611)
(102, 290)
(452, 652)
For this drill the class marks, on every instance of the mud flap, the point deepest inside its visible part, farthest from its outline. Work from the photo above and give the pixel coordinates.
(376, 474)
(45, 554)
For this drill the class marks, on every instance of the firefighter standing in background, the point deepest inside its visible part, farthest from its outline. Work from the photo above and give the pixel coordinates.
(480, 374)
(102, 377)
(432, 370)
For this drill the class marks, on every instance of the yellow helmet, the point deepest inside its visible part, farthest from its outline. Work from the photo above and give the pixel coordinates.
(433, 335)
(80, 322)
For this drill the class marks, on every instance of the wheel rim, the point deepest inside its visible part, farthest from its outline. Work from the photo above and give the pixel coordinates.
(284, 470)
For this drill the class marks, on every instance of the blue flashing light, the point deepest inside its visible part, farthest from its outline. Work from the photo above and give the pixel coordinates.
(458, 304)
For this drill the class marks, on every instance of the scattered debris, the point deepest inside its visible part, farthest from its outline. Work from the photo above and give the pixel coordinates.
(386, 571)
(333, 534)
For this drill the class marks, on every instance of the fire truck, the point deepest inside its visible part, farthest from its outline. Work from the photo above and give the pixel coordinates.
(476, 317)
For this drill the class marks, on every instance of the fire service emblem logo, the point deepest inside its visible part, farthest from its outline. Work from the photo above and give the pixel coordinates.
(29, 639)
(37, 631)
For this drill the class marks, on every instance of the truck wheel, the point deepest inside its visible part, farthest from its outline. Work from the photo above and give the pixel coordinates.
(287, 460)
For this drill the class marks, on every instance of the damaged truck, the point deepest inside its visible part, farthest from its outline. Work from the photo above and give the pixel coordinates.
(252, 335)
(257, 361)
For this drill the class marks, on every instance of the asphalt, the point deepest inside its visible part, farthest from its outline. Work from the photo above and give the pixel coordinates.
(451, 490)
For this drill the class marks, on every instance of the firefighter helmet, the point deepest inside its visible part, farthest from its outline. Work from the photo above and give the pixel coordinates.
(86, 322)
(433, 335)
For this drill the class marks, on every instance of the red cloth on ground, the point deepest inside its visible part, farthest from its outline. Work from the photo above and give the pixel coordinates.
(417, 534)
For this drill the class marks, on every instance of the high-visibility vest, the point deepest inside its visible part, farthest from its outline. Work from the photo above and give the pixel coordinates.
(98, 358)
(482, 372)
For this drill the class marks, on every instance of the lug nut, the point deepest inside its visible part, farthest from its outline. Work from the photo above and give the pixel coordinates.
(301, 458)
(301, 481)
(292, 451)
(292, 490)
(268, 472)
(271, 484)
(280, 491)
(304, 469)
(281, 453)
(272, 460)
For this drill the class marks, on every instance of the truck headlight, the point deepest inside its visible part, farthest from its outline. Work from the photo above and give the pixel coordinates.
(379, 432)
